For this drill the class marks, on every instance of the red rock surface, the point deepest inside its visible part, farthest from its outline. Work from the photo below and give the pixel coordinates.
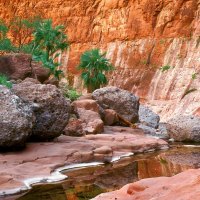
(41, 159)
(17, 66)
(139, 37)
(184, 186)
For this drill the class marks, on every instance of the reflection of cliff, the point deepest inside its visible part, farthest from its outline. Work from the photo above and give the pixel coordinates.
(169, 163)
(139, 37)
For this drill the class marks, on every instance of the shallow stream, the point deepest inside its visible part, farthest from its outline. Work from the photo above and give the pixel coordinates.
(86, 183)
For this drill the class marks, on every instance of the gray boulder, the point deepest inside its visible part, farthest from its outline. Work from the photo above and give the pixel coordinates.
(148, 117)
(16, 120)
(121, 101)
(51, 108)
(184, 128)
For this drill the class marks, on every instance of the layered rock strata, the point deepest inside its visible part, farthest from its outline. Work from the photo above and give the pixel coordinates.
(139, 37)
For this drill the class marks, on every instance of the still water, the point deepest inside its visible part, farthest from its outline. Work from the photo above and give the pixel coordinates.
(86, 183)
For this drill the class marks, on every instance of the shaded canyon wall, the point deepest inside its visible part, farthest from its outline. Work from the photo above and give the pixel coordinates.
(139, 36)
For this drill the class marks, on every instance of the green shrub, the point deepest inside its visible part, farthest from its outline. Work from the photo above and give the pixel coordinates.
(194, 76)
(69, 92)
(72, 94)
(165, 68)
(4, 81)
(93, 65)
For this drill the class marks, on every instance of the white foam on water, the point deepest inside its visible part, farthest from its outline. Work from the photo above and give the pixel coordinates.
(192, 146)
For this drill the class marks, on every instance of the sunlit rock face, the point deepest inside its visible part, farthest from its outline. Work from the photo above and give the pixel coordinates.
(139, 37)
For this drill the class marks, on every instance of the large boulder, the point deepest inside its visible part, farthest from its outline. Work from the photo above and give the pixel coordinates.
(16, 120)
(184, 128)
(51, 108)
(148, 117)
(123, 102)
(17, 66)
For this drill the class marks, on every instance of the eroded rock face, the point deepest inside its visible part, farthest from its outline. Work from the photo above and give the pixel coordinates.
(123, 102)
(153, 34)
(184, 128)
(17, 66)
(16, 119)
(51, 108)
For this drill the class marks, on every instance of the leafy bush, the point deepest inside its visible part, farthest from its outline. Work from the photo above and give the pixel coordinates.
(93, 65)
(4, 81)
(22, 31)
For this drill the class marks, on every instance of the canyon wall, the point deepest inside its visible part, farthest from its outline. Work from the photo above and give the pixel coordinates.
(139, 37)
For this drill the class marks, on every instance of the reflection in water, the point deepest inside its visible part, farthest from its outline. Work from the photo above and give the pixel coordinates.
(86, 183)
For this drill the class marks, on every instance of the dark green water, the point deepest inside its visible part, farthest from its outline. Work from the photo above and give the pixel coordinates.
(86, 183)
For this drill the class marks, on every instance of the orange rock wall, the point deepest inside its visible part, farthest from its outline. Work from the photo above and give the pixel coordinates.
(139, 36)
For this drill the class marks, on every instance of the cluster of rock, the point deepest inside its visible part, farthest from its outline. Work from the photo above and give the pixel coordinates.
(108, 106)
(102, 107)
(31, 110)
(35, 111)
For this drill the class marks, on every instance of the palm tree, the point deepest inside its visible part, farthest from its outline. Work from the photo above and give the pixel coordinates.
(94, 64)
(48, 42)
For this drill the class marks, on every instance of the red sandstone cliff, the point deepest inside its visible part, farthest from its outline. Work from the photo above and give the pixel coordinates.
(139, 36)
